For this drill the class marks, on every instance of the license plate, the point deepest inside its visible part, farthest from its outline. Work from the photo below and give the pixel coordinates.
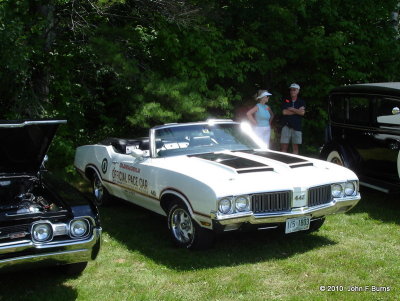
(297, 224)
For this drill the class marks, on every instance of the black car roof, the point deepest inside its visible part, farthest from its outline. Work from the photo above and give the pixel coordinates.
(390, 88)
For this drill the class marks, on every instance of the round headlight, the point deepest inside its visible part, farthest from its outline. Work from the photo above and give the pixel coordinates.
(349, 188)
(79, 228)
(42, 232)
(337, 190)
(224, 206)
(242, 203)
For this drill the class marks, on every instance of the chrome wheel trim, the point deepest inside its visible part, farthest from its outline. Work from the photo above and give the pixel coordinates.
(98, 190)
(335, 158)
(182, 226)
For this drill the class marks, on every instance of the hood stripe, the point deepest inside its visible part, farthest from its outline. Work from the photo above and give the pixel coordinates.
(292, 161)
(241, 165)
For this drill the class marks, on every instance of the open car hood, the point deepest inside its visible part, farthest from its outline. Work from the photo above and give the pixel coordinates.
(24, 144)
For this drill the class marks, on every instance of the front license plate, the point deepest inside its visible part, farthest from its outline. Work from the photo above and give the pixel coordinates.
(297, 224)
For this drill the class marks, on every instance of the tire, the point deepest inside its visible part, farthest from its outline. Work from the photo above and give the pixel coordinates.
(335, 157)
(185, 232)
(101, 197)
(315, 225)
(74, 269)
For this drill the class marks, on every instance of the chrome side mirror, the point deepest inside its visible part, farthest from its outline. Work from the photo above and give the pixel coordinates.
(395, 110)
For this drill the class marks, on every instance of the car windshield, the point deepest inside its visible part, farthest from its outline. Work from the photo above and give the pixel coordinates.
(202, 138)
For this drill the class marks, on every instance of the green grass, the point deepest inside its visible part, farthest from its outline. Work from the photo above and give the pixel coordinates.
(138, 262)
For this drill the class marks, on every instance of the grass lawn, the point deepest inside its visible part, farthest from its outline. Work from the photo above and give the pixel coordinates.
(138, 262)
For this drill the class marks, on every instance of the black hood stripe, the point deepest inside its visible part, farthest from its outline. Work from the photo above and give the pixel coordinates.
(293, 162)
(241, 165)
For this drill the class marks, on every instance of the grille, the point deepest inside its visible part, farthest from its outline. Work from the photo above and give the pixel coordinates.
(270, 202)
(319, 195)
(6, 231)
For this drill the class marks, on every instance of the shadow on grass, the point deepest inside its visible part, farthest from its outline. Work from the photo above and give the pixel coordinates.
(379, 206)
(146, 232)
(36, 284)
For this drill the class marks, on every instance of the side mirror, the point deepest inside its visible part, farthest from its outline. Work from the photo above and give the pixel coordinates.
(137, 153)
(45, 159)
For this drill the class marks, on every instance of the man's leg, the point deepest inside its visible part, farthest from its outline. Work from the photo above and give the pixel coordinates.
(285, 138)
(297, 139)
(295, 149)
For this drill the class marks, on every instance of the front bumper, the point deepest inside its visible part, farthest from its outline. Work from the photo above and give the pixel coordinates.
(26, 253)
(316, 212)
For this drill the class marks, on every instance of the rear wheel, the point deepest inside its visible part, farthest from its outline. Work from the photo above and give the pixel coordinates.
(335, 157)
(101, 196)
(185, 232)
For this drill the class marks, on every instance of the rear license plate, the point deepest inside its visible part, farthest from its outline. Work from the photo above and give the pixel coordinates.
(297, 224)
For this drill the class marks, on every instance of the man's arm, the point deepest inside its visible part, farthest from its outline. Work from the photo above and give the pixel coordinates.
(300, 111)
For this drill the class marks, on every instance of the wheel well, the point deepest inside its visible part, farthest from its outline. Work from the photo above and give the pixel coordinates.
(168, 199)
(90, 173)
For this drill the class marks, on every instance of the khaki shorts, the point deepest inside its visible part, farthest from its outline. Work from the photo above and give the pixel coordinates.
(289, 133)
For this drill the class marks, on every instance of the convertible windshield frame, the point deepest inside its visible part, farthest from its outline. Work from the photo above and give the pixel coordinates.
(199, 137)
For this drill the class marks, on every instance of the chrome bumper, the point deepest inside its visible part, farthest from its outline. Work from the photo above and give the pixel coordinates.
(333, 207)
(54, 253)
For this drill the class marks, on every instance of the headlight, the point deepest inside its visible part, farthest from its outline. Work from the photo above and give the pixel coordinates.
(79, 228)
(224, 205)
(337, 190)
(349, 188)
(42, 232)
(242, 203)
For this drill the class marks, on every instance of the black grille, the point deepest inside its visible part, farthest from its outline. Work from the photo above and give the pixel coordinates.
(319, 195)
(6, 231)
(270, 202)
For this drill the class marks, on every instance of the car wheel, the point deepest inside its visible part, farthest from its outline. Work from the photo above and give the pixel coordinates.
(185, 232)
(335, 157)
(101, 196)
(315, 225)
(74, 269)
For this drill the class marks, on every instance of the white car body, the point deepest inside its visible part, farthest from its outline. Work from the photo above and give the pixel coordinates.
(278, 184)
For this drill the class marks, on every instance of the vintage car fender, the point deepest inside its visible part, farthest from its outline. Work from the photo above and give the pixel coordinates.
(349, 155)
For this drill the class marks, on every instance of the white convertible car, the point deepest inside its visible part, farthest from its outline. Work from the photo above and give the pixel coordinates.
(216, 176)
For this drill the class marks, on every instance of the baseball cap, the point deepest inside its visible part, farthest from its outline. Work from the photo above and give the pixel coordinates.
(294, 86)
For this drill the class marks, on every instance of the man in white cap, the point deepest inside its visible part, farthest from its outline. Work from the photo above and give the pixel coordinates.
(293, 110)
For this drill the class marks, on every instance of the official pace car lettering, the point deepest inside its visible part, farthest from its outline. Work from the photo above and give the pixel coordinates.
(128, 167)
(241, 165)
(127, 178)
(293, 162)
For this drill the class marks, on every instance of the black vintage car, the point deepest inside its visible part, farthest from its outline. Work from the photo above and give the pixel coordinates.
(43, 221)
(364, 133)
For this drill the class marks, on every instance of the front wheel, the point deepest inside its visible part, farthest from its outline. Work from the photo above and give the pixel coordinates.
(101, 196)
(335, 157)
(185, 232)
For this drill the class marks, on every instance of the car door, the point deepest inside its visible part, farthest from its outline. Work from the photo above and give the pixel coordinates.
(359, 133)
(384, 157)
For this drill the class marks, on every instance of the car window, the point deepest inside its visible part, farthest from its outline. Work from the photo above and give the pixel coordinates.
(387, 111)
(358, 110)
(337, 108)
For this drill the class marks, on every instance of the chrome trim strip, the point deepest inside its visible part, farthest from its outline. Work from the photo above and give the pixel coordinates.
(374, 187)
(26, 123)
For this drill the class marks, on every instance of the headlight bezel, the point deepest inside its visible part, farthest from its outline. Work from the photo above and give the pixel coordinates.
(343, 186)
(34, 234)
(246, 203)
(234, 202)
(77, 220)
